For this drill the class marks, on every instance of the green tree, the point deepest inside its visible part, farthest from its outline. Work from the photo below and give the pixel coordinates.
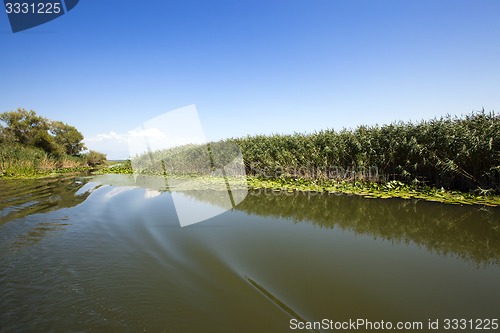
(6, 136)
(24, 127)
(68, 137)
(28, 129)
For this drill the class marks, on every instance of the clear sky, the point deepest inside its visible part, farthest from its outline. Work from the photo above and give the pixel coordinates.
(253, 66)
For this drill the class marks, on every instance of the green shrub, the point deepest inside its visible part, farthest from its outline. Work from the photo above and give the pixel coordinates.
(94, 158)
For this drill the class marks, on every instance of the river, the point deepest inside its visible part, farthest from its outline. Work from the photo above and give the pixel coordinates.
(81, 255)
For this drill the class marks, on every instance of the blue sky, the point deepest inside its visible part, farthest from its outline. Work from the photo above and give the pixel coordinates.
(253, 66)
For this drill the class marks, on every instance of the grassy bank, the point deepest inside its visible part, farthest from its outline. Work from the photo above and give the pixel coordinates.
(17, 161)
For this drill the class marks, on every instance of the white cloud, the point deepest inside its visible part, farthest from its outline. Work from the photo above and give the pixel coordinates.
(150, 194)
(111, 136)
(153, 133)
(113, 144)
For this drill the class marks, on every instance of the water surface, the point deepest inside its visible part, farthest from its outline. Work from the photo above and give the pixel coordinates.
(79, 255)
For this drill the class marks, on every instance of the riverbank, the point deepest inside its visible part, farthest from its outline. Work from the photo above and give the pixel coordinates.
(17, 161)
(40, 174)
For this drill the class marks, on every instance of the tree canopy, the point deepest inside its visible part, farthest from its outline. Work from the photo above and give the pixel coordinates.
(29, 129)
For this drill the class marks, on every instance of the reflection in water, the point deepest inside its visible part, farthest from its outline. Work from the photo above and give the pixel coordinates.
(23, 198)
(38, 232)
(221, 191)
(471, 233)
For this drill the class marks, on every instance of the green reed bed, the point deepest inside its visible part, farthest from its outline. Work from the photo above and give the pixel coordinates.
(450, 159)
(450, 152)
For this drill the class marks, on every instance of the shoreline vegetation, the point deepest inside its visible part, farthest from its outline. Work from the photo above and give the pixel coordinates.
(33, 146)
(451, 159)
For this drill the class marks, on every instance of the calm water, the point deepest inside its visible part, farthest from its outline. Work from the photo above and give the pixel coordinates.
(77, 255)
